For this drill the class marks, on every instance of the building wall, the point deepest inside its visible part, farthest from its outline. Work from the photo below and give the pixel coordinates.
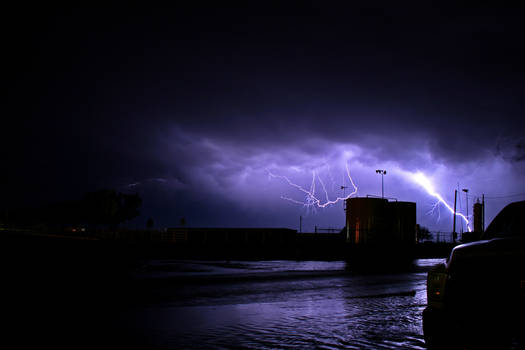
(376, 220)
(404, 221)
(366, 219)
(478, 217)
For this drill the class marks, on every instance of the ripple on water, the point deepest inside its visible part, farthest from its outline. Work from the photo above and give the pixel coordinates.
(325, 312)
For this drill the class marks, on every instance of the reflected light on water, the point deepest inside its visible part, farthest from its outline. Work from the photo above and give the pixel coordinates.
(326, 311)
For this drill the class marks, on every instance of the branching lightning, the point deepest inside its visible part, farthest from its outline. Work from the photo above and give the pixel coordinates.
(424, 182)
(312, 200)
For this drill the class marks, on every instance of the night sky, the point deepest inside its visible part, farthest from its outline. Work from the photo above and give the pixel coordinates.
(194, 107)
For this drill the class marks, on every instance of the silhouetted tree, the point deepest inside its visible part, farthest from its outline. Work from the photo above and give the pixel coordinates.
(103, 207)
(62, 213)
(423, 234)
(129, 205)
(107, 207)
(149, 223)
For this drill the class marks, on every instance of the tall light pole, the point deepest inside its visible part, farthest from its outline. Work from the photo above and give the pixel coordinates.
(343, 187)
(466, 196)
(454, 234)
(382, 172)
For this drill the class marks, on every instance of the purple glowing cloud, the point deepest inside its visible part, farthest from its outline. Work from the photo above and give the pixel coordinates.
(210, 99)
(236, 174)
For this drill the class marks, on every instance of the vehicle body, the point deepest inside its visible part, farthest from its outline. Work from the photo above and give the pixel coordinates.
(477, 298)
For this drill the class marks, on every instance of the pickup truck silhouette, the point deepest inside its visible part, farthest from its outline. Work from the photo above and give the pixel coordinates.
(476, 300)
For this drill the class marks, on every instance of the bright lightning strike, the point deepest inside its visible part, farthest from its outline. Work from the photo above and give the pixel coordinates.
(424, 182)
(312, 200)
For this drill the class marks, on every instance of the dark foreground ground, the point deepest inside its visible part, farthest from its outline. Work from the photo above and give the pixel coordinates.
(73, 293)
(55, 291)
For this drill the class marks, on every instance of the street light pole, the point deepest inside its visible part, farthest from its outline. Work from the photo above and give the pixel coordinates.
(343, 187)
(382, 172)
(466, 196)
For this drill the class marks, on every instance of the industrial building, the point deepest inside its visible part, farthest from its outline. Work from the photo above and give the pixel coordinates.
(374, 221)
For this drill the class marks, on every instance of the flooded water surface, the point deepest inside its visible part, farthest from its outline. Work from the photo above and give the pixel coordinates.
(277, 305)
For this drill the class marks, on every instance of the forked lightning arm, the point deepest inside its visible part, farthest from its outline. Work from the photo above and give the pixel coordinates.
(424, 182)
(311, 199)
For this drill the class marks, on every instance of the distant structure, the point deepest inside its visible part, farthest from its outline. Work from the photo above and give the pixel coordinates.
(478, 217)
(378, 221)
(478, 224)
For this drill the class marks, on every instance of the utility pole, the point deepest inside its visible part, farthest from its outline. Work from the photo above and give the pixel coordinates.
(466, 196)
(382, 172)
(343, 187)
(300, 224)
(454, 228)
(483, 212)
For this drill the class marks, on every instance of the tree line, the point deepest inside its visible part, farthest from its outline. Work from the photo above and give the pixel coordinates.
(99, 209)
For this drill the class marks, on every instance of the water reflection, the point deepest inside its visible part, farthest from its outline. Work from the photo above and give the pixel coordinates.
(328, 310)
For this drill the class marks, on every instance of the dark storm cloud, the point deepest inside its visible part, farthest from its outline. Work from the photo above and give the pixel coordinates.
(511, 149)
(210, 97)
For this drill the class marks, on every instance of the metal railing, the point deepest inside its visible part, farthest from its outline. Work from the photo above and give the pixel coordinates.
(444, 237)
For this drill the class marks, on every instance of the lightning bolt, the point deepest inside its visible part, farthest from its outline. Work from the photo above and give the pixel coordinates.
(312, 200)
(420, 179)
(435, 207)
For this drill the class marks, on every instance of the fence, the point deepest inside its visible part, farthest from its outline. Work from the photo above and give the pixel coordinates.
(444, 237)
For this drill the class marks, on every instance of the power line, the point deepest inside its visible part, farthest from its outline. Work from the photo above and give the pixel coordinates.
(497, 197)
(507, 196)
